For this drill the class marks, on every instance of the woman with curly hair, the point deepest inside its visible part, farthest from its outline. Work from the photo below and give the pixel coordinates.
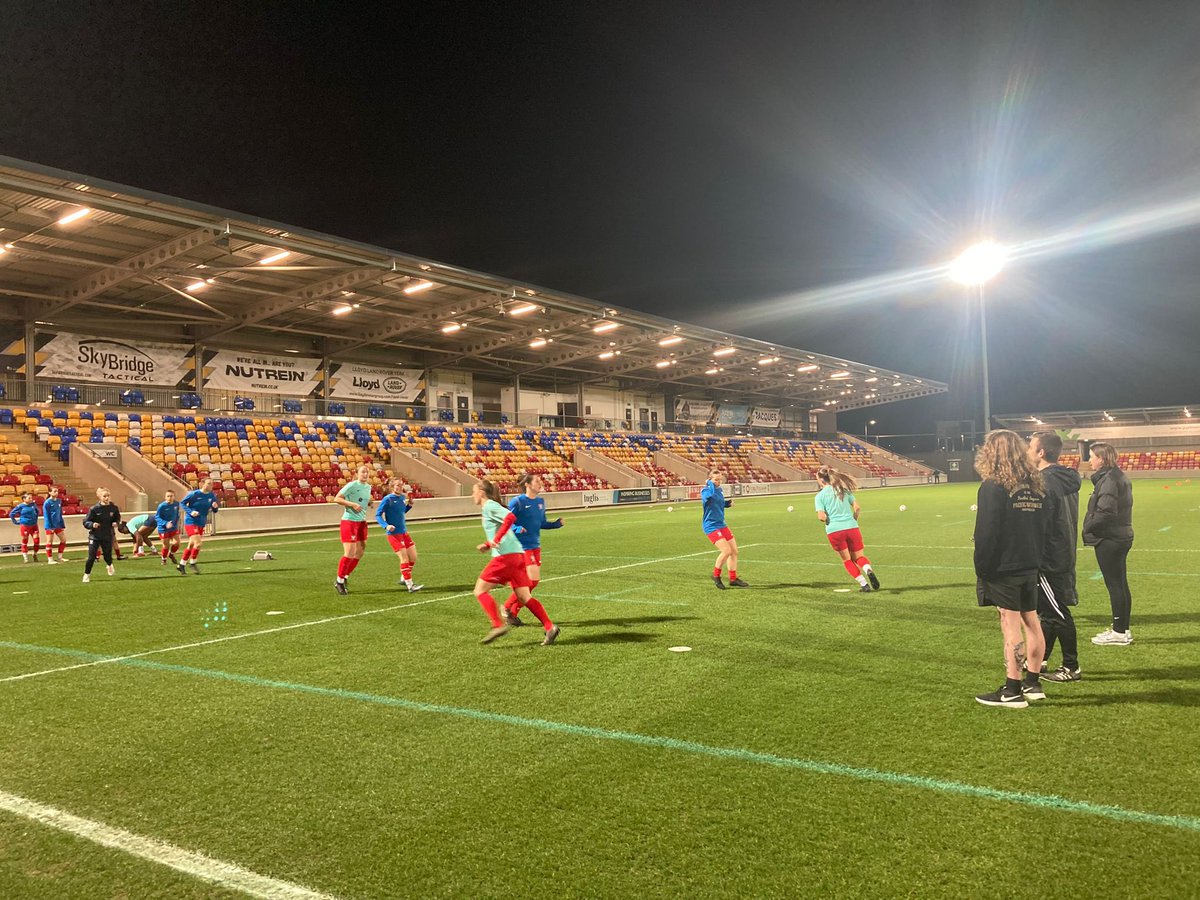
(1010, 528)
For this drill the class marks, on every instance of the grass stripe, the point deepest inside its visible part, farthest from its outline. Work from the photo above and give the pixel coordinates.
(817, 767)
(215, 871)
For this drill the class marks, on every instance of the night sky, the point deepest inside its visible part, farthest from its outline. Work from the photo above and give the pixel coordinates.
(714, 163)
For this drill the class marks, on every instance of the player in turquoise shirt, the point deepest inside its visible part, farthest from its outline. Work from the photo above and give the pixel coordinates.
(507, 565)
(838, 510)
(356, 498)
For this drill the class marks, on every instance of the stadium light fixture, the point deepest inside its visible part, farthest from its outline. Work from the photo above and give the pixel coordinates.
(1187, 412)
(979, 263)
(605, 327)
(811, 367)
(768, 360)
(842, 374)
(537, 343)
(342, 310)
(725, 351)
(418, 287)
(607, 354)
(451, 327)
(198, 285)
(523, 310)
(274, 257)
(670, 341)
(75, 216)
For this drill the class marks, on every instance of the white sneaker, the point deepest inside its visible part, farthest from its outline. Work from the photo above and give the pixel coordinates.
(1119, 638)
(24, 557)
(87, 578)
(62, 559)
(414, 587)
(50, 561)
(108, 569)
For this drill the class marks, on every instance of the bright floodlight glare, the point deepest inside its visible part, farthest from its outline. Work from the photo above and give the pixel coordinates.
(979, 263)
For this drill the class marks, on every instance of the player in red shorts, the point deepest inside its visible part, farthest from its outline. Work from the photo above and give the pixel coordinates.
(530, 510)
(196, 506)
(838, 510)
(390, 514)
(714, 505)
(507, 565)
(26, 514)
(356, 498)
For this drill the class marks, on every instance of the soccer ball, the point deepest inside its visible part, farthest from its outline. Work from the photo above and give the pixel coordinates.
(790, 508)
(903, 507)
(670, 509)
(974, 507)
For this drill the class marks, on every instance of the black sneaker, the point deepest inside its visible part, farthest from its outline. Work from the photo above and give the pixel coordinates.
(1003, 696)
(182, 569)
(1062, 674)
(1033, 690)
(195, 568)
(718, 582)
(737, 582)
(340, 587)
(873, 578)
(864, 589)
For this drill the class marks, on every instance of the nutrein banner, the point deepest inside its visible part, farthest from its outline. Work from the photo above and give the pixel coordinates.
(351, 381)
(119, 361)
(249, 371)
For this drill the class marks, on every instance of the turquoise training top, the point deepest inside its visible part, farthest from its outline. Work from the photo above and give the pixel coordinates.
(356, 492)
(493, 517)
(840, 512)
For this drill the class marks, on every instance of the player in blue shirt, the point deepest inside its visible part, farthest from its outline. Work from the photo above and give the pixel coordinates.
(714, 504)
(53, 522)
(530, 510)
(390, 514)
(166, 522)
(838, 510)
(196, 506)
(25, 514)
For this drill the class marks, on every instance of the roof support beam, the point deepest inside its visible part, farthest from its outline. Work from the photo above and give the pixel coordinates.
(406, 323)
(140, 264)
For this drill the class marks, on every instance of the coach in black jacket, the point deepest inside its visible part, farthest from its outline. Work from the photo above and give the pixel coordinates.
(1056, 580)
(1108, 526)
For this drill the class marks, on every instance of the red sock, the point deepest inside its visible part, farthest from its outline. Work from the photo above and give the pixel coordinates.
(195, 553)
(538, 610)
(343, 565)
(165, 550)
(851, 567)
(406, 571)
(49, 552)
(489, 606)
(62, 547)
(862, 561)
(717, 572)
(733, 574)
(352, 564)
(37, 543)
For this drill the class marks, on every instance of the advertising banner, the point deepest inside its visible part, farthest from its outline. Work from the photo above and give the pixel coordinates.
(762, 417)
(77, 357)
(733, 414)
(694, 412)
(597, 498)
(633, 495)
(351, 381)
(263, 373)
(755, 489)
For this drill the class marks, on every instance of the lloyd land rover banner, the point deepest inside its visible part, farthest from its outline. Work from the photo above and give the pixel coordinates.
(78, 357)
(351, 381)
(693, 412)
(261, 373)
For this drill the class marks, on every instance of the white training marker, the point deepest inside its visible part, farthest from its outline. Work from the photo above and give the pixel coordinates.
(275, 612)
(20, 592)
(679, 649)
(841, 590)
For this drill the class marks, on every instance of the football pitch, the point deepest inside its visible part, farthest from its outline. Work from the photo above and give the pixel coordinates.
(248, 731)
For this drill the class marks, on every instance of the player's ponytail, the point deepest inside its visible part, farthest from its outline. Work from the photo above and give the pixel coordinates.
(491, 490)
(843, 483)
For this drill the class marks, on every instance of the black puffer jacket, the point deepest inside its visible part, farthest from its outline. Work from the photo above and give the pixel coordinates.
(1110, 508)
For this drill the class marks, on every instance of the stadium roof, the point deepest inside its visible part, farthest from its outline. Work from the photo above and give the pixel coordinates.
(1098, 418)
(101, 258)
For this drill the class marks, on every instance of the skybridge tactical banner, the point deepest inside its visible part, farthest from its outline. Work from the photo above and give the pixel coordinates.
(79, 357)
(351, 381)
(262, 373)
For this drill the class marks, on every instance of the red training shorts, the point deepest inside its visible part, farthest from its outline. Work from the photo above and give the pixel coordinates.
(354, 532)
(849, 539)
(721, 534)
(190, 530)
(400, 541)
(533, 557)
(29, 531)
(58, 531)
(507, 569)
(169, 533)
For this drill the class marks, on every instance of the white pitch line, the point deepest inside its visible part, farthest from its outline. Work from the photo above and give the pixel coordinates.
(367, 612)
(215, 871)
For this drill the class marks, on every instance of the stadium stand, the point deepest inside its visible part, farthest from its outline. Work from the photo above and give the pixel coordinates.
(1146, 461)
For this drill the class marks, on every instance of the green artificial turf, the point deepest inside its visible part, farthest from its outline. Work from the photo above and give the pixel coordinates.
(812, 742)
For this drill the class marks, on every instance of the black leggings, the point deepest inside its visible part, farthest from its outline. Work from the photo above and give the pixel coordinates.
(1112, 556)
(96, 546)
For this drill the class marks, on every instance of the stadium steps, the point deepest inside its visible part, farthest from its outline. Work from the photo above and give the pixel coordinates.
(49, 464)
(775, 467)
(690, 472)
(610, 470)
(894, 461)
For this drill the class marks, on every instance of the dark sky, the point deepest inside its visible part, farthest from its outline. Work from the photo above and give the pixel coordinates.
(715, 163)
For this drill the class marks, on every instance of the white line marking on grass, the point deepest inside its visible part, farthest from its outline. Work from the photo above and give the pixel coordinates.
(215, 871)
(328, 619)
(20, 592)
(1168, 528)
